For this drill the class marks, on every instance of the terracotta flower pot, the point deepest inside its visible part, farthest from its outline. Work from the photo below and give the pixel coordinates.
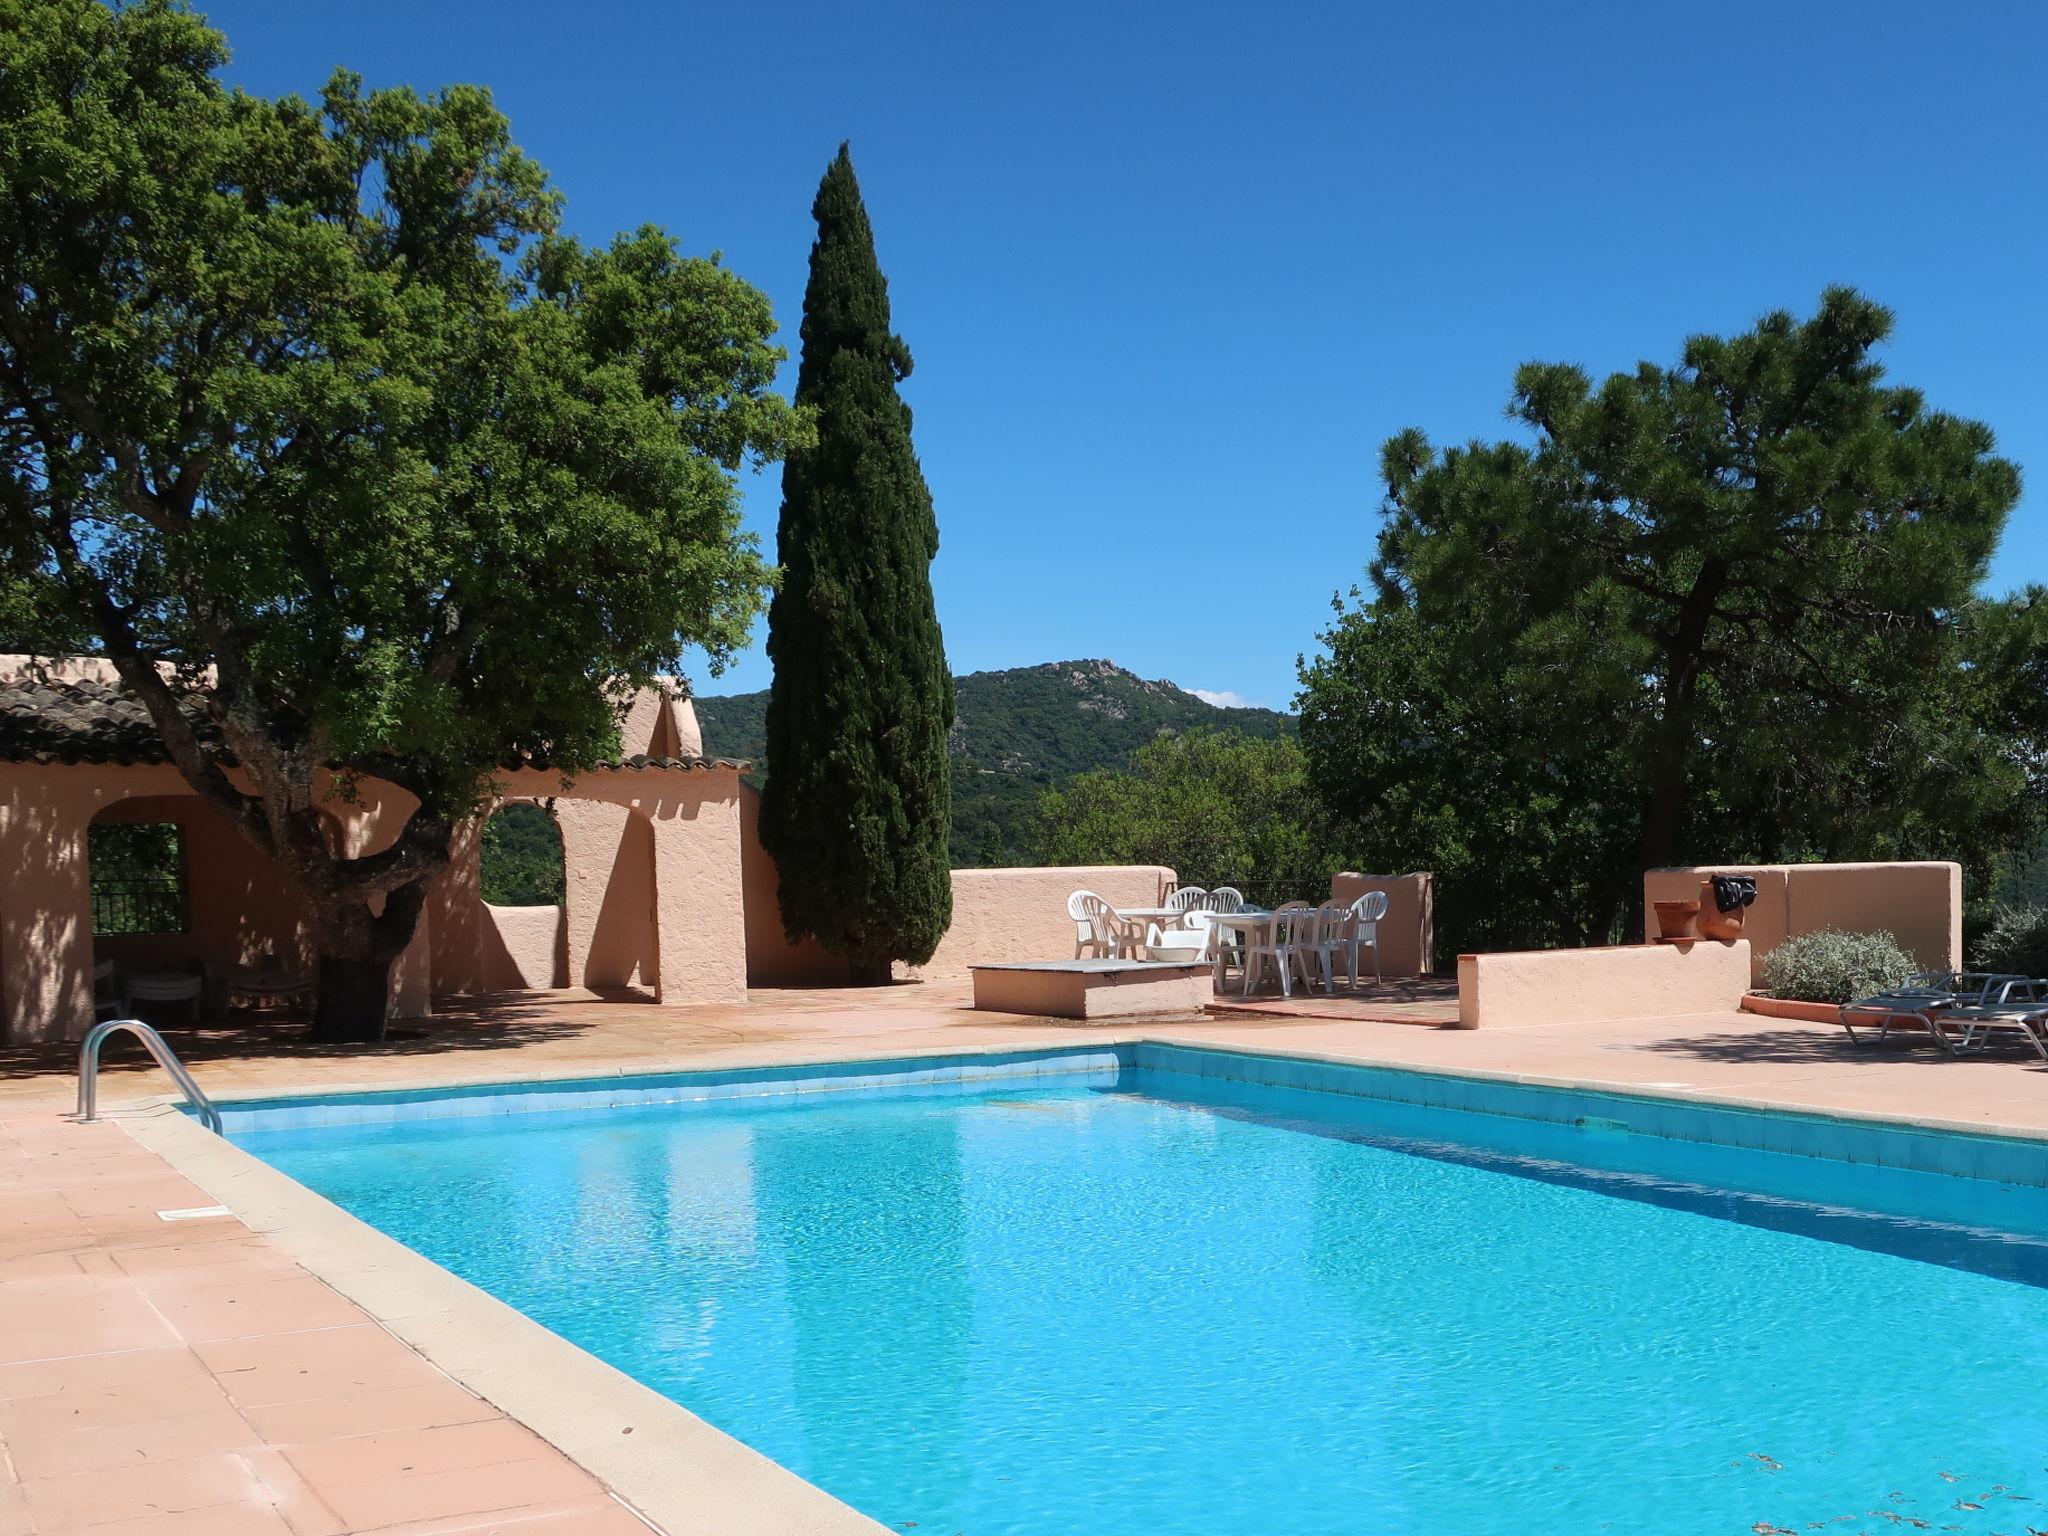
(1674, 918)
(1713, 923)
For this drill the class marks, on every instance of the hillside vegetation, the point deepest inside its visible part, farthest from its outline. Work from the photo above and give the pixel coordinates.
(1018, 733)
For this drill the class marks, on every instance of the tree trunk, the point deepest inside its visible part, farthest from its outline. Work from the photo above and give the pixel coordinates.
(1667, 780)
(870, 975)
(353, 1001)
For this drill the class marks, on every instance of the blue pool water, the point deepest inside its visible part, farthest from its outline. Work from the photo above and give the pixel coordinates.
(1134, 1301)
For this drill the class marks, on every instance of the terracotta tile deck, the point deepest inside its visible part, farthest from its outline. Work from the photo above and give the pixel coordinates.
(189, 1377)
(161, 1377)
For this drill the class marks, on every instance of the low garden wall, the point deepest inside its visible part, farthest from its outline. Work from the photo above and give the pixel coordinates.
(1021, 914)
(1589, 986)
(521, 947)
(1919, 904)
(1407, 934)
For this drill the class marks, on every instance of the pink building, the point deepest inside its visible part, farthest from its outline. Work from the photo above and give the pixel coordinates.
(667, 892)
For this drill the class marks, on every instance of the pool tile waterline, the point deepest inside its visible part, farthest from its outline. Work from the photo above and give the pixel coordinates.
(1995, 1159)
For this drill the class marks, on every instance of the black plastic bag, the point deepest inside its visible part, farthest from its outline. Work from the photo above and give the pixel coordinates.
(1732, 891)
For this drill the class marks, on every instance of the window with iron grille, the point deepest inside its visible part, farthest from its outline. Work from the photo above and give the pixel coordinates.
(138, 877)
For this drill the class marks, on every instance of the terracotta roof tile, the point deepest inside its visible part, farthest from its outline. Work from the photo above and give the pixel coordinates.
(80, 722)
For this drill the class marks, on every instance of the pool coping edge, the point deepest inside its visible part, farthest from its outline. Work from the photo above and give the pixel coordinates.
(1117, 1039)
(1706, 1098)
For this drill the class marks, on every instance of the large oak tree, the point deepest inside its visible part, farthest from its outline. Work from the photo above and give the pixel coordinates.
(348, 460)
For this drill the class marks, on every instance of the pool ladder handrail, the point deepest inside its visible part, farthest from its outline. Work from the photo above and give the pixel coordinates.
(157, 1046)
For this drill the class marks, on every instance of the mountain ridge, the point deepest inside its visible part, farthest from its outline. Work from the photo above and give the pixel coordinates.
(1019, 731)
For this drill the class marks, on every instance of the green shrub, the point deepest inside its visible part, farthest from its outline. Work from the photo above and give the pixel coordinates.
(1829, 966)
(2016, 943)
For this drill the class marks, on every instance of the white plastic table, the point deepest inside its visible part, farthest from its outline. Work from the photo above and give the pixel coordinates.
(1146, 914)
(1247, 923)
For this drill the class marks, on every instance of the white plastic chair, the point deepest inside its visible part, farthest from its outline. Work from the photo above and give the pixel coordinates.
(1361, 930)
(1097, 927)
(107, 999)
(1321, 940)
(1084, 933)
(1226, 948)
(1225, 898)
(1184, 897)
(1275, 945)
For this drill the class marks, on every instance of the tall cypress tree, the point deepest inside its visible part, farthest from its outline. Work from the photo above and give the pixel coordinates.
(859, 795)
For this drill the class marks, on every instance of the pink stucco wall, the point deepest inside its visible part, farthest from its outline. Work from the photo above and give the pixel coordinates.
(654, 893)
(1920, 904)
(668, 894)
(772, 960)
(1021, 914)
(1583, 986)
(239, 908)
(661, 722)
(1407, 934)
(529, 948)
(608, 894)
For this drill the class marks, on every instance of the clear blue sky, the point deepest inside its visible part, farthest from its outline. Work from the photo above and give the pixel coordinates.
(1172, 272)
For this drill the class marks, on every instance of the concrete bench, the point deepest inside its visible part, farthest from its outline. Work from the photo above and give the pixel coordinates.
(1092, 989)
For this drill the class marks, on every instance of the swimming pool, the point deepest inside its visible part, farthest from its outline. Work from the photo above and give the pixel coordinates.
(1154, 1290)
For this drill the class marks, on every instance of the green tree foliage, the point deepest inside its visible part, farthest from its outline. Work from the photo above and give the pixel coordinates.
(856, 812)
(319, 428)
(1722, 611)
(1422, 762)
(2014, 943)
(1218, 807)
(521, 858)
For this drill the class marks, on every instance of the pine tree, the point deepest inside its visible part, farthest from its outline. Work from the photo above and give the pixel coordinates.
(857, 805)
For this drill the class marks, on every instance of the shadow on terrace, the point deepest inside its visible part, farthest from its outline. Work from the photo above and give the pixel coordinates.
(505, 1021)
(1824, 1045)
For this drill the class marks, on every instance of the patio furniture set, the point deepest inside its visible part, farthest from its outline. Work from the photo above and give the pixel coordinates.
(1960, 1010)
(1315, 944)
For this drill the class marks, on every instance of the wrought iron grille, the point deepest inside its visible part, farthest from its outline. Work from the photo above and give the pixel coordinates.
(138, 877)
(154, 905)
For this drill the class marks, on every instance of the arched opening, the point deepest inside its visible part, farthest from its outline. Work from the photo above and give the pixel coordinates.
(521, 857)
(177, 893)
(521, 878)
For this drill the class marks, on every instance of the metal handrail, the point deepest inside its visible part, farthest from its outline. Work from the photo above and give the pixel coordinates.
(154, 1043)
